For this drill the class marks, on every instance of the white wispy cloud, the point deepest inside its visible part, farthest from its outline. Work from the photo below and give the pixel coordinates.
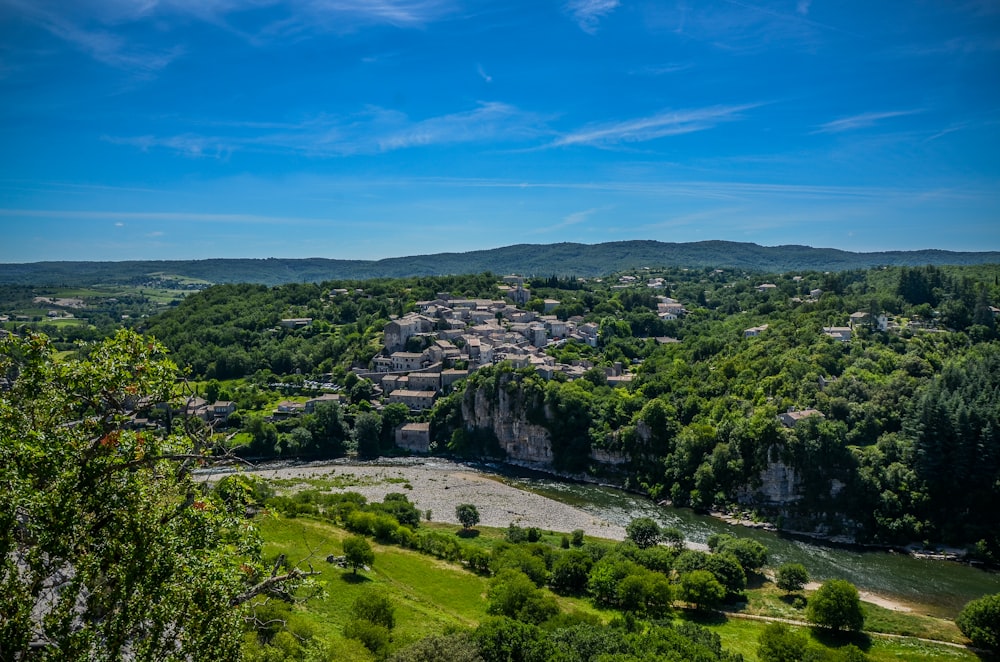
(862, 121)
(99, 27)
(715, 190)
(663, 69)
(668, 123)
(375, 130)
(394, 12)
(482, 74)
(570, 220)
(190, 145)
(588, 13)
(488, 121)
(100, 43)
(741, 26)
(803, 7)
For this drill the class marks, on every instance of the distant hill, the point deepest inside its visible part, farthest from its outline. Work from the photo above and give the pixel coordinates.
(563, 259)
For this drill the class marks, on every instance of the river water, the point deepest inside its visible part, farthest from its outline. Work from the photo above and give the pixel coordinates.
(943, 586)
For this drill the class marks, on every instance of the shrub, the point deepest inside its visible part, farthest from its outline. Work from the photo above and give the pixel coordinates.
(376, 608)
(979, 620)
(374, 637)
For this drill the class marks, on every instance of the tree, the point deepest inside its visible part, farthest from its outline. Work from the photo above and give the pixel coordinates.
(503, 639)
(605, 576)
(358, 552)
(467, 514)
(791, 577)
(777, 643)
(673, 537)
(328, 429)
(570, 572)
(728, 571)
(979, 620)
(836, 605)
(108, 548)
(702, 589)
(367, 431)
(393, 415)
(643, 531)
(751, 554)
(212, 390)
(513, 594)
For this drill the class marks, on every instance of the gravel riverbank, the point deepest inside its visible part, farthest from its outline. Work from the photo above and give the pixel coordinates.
(440, 485)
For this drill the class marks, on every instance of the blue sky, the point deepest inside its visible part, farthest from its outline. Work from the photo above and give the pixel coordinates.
(178, 129)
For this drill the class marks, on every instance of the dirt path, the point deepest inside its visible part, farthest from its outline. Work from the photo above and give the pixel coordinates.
(868, 596)
(884, 635)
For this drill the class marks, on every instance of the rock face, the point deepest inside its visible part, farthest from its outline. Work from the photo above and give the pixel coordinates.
(525, 443)
(779, 485)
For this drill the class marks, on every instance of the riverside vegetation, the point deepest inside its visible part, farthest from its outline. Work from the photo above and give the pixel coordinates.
(908, 416)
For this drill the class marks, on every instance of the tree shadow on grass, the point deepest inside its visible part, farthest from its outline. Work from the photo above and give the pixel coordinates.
(352, 578)
(836, 639)
(467, 533)
(705, 617)
(795, 600)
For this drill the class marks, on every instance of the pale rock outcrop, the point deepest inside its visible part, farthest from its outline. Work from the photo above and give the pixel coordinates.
(525, 443)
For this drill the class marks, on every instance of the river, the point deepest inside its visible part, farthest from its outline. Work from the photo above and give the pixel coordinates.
(939, 587)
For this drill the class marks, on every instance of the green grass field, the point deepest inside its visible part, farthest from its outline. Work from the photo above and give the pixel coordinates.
(429, 595)
(432, 596)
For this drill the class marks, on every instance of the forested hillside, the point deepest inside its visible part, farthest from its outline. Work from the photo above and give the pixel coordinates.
(892, 436)
(565, 259)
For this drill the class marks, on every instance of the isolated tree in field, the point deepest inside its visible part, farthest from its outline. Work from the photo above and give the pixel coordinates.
(108, 548)
(467, 514)
(979, 620)
(358, 553)
(791, 577)
(643, 531)
(836, 605)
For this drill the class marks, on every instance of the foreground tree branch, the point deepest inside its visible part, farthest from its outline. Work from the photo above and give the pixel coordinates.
(109, 549)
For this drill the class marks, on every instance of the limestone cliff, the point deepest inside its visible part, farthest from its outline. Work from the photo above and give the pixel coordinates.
(502, 411)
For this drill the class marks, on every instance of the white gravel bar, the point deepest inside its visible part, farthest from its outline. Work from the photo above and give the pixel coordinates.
(439, 485)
